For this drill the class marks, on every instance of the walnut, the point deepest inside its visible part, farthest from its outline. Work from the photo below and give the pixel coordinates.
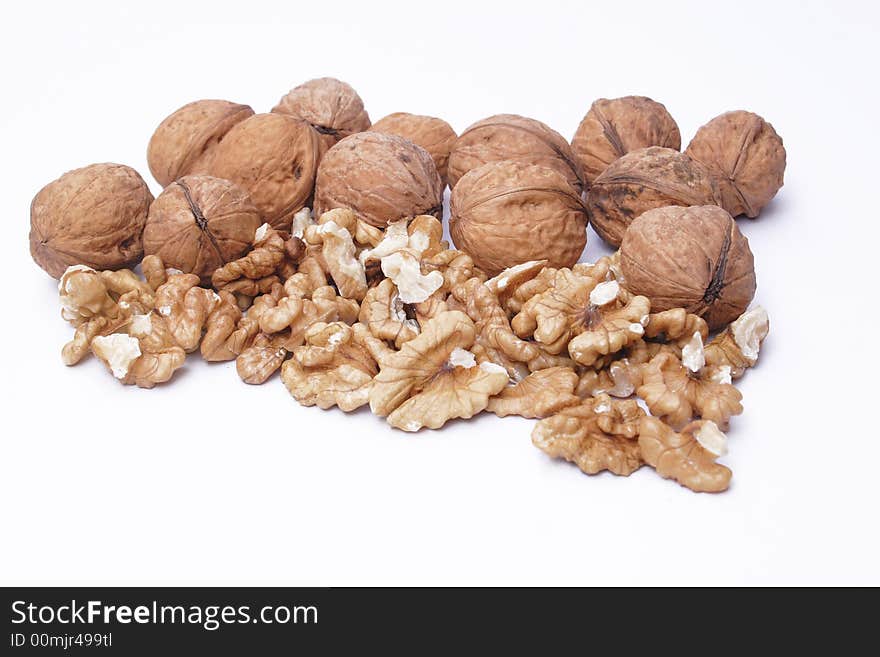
(219, 326)
(736, 348)
(433, 378)
(507, 213)
(747, 157)
(433, 134)
(332, 107)
(265, 355)
(597, 434)
(538, 395)
(505, 284)
(687, 457)
(620, 378)
(92, 216)
(516, 138)
(675, 325)
(614, 127)
(331, 369)
(275, 158)
(186, 308)
(200, 223)
(381, 177)
(245, 274)
(692, 258)
(642, 180)
(184, 142)
(145, 356)
(385, 315)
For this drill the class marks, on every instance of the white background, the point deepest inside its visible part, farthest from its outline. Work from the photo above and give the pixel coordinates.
(210, 481)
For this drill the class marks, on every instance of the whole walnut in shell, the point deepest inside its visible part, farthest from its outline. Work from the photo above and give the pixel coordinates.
(381, 178)
(200, 223)
(275, 158)
(507, 213)
(642, 180)
(332, 107)
(614, 127)
(433, 134)
(694, 258)
(184, 142)
(747, 157)
(91, 216)
(513, 137)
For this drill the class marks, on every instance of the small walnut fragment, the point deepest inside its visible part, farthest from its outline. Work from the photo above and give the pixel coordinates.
(737, 347)
(597, 434)
(265, 355)
(385, 315)
(610, 324)
(687, 457)
(675, 325)
(185, 307)
(145, 356)
(246, 275)
(619, 379)
(219, 326)
(538, 395)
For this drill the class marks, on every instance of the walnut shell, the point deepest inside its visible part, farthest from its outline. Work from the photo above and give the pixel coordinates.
(512, 137)
(506, 213)
(91, 216)
(694, 258)
(381, 178)
(275, 158)
(200, 223)
(332, 107)
(184, 142)
(642, 180)
(433, 134)
(747, 157)
(614, 127)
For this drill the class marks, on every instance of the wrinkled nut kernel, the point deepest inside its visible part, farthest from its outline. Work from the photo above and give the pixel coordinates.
(507, 282)
(339, 253)
(385, 315)
(737, 347)
(692, 258)
(687, 457)
(382, 178)
(515, 138)
(747, 157)
(184, 142)
(608, 328)
(200, 223)
(598, 434)
(538, 395)
(92, 216)
(642, 180)
(506, 213)
(619, 379)
(260, 263)
(147, 355)
(433, 134)
(614, 127)
(256, 363)
(219, 326)
(186, 308)
(675, 325)
(332, 107)
(83, 294)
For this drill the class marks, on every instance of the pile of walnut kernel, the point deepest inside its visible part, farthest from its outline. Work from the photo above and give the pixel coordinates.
(362, 302)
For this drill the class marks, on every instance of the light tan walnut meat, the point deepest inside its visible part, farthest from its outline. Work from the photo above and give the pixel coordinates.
(146, 355)
(676, 325)
(614, 127)
(687, 457)
(219, 326)
(515, 138)
(184, 142)
(275, 158)
(538, 395)
(262, 358)
(619, 379)
(338, 250)
(598, 434)
(331, 369)
(642, 180)
(382, 178)
(746, 155)
(737, 347)
(244, 275)
(200, 223)
(691, 258)
(505, 284)
(433, 134)
(433, 378)
(385, 315)
(185, 307)
(92, 216)
(507, 213)
(332, 107)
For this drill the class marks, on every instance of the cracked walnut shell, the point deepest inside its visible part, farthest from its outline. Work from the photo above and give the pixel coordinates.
(614, 127)
(687, 457)
(693, 258)
(433, 134)
(508, 213)
(199, 224)
(92, 216)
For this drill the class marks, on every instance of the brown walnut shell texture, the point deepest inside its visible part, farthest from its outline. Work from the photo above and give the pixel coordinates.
(433, 134)
(694, 258)
(747, 157)
(614, 127)
(200, 223)
(642, 180)
(92, 216)
(332, 107)
(506, 213)
(513, 137)
(184, 142)
(381, 178)
(275, 158)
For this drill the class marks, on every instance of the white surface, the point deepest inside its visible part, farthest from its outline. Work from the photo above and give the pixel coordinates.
(210, 481)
